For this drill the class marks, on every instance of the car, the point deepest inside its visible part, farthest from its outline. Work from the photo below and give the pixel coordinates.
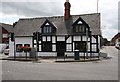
(117, 46)
(6, 50)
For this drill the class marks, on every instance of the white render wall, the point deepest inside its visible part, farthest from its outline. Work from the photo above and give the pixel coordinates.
(80, 54)
(47, 54)
(99, 42)
(60, 38)
(11, 46)
(19, 40)
(94, 46)
(22, 40)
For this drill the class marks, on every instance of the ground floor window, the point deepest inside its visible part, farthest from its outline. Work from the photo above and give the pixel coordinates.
(19, 48)
(47, 46)
(28, 45)
(81, 46)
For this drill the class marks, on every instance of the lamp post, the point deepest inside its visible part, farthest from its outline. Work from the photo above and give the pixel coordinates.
(97, 5)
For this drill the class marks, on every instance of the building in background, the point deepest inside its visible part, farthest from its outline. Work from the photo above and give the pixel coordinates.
(5, 30)
(116, 39)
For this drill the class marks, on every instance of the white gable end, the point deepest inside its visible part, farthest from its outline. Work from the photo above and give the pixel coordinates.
(47, 24)
(79, 22)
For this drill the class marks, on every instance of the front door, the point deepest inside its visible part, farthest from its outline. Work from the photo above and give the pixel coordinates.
(61, 47)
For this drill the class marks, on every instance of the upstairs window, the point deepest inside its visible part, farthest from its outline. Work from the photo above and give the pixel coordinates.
(80, 28)
(47, 29)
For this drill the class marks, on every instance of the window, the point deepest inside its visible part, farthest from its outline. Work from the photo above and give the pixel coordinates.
(47, 29)
(27, 48)
(47, 46)
(26, 45)
(19, 48)
(5, 35)
(81, 46)
(80, 28)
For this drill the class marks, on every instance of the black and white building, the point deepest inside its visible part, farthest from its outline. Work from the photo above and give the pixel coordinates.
(59, 35)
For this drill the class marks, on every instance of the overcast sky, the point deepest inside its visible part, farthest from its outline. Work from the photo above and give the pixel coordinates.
(11, 11)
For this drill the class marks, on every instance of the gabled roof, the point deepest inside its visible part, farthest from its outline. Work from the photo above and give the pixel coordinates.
(7, 27)
(80, 20)
(116, 37)
(26, 27)
(49, 23)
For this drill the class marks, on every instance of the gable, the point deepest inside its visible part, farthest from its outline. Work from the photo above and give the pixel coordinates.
(7, 27)
(80, 21)
(47, 22)
(48, 27)
(4, 30)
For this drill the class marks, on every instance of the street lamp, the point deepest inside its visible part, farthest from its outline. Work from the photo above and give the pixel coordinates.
(97, 5)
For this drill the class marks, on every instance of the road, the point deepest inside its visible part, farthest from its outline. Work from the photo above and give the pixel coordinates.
(106, 69)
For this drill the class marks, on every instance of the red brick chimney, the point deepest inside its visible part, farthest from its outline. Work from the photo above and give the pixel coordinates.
(67, 10)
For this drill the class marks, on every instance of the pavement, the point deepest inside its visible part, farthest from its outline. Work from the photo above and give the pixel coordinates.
(105, 69)
(103, 53)
(3, 56)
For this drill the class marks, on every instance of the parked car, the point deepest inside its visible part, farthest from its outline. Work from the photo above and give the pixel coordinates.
(117, 46)
(6, 50)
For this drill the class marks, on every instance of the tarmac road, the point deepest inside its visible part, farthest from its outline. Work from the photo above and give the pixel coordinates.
(106, 69)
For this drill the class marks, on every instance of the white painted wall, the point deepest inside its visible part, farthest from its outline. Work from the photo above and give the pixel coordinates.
(22, 40)
(53, 39)
(94, 47)
(11, 46)
(93, 40)
(54, 47)
(44, 38)
(48, 38)
(69, 53)
(76, 38)
(40, 47)
(47, 54)
(80, 54)
(84, 38)
(99, 42)
(60, 38)
(69, 47)
(69, 40)
(88, 46)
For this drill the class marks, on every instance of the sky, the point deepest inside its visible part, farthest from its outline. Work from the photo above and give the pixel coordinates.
(12, 10)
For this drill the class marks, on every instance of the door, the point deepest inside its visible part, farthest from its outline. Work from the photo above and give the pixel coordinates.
(61, 48)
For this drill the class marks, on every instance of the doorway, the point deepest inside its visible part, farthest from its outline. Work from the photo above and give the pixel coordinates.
(61, 48)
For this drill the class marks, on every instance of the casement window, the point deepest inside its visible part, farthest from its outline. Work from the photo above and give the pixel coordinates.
(81, 46)
(47, 46)
(47, 29)
(19, 47)
(28, 45)
(80, 28)
(5, 35)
